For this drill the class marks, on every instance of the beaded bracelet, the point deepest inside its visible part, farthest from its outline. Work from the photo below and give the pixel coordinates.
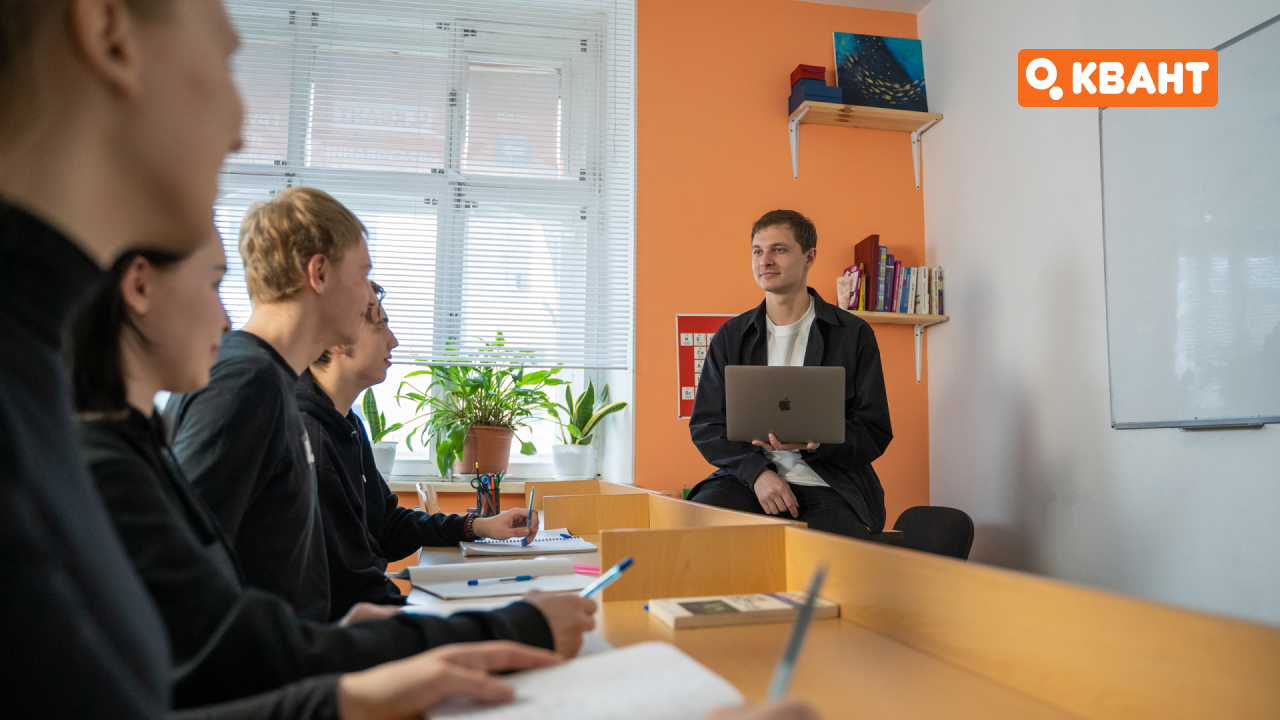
(468, 527)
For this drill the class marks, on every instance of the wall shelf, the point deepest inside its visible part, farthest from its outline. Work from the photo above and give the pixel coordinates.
(900, 318)
(919, 321)
(869, 118)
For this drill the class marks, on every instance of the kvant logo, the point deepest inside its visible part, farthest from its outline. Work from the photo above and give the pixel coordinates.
(1118, 78)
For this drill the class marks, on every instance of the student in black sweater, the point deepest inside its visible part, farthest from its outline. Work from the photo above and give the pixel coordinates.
(364, 525)
(157, 325)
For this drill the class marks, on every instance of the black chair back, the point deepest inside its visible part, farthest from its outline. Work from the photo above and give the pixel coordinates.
(939, 530)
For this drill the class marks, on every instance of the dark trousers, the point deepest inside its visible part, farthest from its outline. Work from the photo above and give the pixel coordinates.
(821, 507)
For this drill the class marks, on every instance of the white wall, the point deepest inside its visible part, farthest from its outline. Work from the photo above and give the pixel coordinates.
(1019, 420)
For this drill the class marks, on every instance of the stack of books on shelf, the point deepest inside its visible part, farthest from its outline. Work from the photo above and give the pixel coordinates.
(879, 282)
(809, 82)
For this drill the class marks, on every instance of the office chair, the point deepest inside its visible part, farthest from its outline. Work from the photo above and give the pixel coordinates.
(939, 530)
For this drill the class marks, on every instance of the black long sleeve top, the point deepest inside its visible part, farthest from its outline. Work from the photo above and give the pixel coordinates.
(229, 642)
(241, 442)
(80, 634)
(364, 525)
(836, 339)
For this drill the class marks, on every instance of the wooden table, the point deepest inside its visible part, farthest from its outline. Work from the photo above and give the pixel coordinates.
(920, 636)
(844, 670)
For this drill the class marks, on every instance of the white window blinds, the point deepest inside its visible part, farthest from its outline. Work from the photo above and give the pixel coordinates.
(487, 145)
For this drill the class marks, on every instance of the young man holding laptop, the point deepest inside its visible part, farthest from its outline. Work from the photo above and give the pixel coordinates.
(831, 486)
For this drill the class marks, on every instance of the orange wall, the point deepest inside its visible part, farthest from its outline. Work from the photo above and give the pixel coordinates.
(712, 156)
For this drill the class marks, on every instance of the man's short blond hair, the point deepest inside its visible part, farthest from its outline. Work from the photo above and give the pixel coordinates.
(278, 239)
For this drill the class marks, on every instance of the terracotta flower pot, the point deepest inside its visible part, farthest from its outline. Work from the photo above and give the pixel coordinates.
(489, 446)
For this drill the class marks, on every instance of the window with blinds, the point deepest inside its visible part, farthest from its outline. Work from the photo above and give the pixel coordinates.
(486, 144)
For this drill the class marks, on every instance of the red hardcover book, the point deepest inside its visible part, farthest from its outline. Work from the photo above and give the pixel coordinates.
(867, 254)
(812, 72)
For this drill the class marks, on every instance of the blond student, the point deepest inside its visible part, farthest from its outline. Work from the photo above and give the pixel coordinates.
(240, 440)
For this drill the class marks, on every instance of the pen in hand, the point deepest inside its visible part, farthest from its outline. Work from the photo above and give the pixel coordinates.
(528, 519)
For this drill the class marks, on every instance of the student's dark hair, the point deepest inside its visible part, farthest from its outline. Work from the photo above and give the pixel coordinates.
(97, 368)
(370, 315)
(801, 227)
(24, 23)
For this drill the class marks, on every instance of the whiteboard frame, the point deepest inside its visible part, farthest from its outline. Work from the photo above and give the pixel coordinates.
(1208, 424)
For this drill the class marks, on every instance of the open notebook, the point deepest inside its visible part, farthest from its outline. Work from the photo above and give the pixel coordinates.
(640, 682)
(548, 542)
(449, 582)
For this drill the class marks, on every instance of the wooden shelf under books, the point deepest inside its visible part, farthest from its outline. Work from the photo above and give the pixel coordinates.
(888, 318)
(816, 113)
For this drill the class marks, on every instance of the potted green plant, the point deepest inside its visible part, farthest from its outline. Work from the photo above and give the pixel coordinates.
(576, 458)
(471, 409)
(384, 452)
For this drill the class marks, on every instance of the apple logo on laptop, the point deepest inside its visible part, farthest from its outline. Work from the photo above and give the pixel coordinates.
(784, 404)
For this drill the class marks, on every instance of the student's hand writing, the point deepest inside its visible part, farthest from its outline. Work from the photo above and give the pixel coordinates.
(569, 617)
(790, 710)
(509, 524)
(778, 446)
(775, 494)
(364, 612)
(410, 687)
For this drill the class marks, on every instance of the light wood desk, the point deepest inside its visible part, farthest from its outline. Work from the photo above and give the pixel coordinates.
(843, 666)
(919, 636)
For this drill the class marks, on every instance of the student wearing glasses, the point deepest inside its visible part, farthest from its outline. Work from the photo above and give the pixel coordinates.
(364, 525)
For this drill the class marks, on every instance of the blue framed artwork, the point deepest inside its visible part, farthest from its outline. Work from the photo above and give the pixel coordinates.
(883, 72)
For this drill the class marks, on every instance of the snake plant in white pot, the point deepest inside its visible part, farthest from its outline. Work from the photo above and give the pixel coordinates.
(579, 420)
(384, 452)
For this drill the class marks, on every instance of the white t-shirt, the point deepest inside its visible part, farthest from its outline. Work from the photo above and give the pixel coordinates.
(787, 344)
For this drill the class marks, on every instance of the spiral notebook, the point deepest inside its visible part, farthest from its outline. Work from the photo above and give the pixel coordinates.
(548, 542)
(449, 582)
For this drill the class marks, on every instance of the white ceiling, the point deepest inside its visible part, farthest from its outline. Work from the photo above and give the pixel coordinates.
(906, 6)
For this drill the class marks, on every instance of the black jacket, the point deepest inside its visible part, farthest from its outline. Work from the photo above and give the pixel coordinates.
(364, 525)
(241, 442)
(836, 339)
(79, 634)
(229, 642)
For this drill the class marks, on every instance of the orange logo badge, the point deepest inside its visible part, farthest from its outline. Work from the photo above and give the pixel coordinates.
(1118, 78)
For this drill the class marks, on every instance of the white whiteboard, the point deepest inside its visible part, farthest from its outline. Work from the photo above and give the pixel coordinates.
(1191, 215)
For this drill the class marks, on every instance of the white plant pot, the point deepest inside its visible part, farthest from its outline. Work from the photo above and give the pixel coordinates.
(384, 456)
(574, 462)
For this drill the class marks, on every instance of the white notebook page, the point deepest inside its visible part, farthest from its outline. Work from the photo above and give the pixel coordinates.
(647, 681)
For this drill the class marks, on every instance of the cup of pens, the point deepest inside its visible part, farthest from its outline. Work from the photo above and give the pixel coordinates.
(488, 492)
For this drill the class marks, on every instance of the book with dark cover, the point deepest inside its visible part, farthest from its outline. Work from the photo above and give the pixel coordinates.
(890, 283)
(867, 254)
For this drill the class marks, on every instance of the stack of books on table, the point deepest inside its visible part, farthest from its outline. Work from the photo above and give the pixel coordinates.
(808, 82)
(879, 282)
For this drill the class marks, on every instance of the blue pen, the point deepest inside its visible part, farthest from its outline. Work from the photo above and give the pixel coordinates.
(528, 518)
(606, 579)
(787, 665)
(491, 581)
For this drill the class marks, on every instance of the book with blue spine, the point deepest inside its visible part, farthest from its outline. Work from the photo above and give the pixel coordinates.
(880, 273)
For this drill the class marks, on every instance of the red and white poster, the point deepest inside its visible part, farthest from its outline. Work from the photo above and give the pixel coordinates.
(693, 335)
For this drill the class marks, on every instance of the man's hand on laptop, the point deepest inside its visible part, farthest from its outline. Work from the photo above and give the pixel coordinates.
(777, 446)
(775, 494)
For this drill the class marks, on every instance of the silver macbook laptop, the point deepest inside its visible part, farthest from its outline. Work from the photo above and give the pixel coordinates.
(796, 404)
